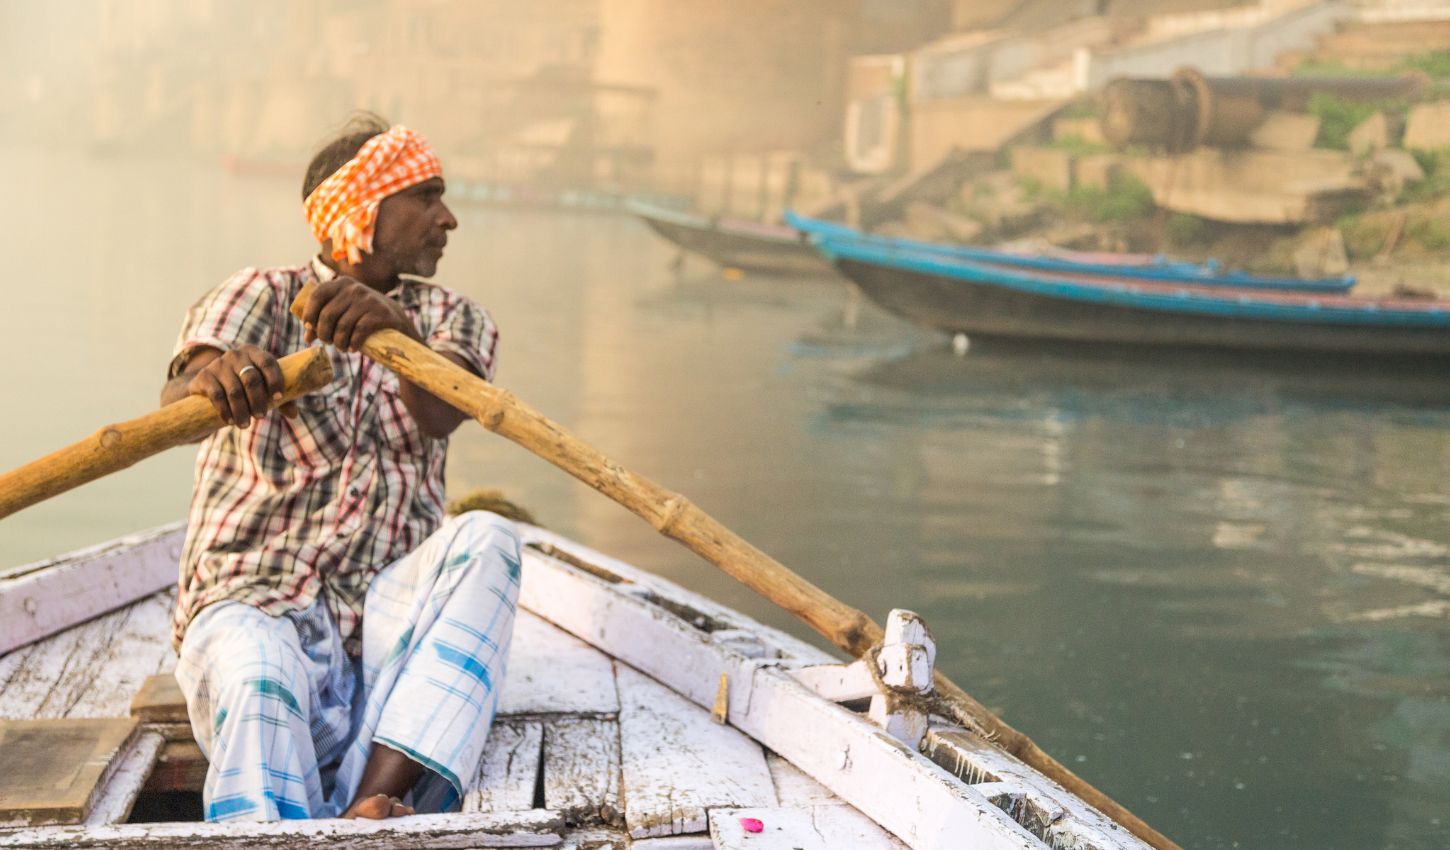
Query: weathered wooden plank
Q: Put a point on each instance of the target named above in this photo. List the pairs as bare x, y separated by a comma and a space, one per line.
1043, 807
812, 828
677, 763
536, 828
91, 670
699, 841
631, 579
509, 772
33, 684
552, 672
896, 787
794, 789
118, 794
42, 599
581, 769
160, 700
180, 767
54, 769
596, 839
140, 648
839, 682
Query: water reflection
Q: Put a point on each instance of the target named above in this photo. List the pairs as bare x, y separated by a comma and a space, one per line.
1141, 532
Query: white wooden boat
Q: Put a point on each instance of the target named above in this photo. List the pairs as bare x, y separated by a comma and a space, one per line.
635, 714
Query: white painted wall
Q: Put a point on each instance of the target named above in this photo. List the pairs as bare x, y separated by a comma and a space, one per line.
980, 62
1231, 50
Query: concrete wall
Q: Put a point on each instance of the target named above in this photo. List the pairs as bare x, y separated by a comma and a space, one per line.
1231, 50
973, 63
972, 123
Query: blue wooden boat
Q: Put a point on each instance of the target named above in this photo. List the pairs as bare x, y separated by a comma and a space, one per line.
1126, 266
961, 296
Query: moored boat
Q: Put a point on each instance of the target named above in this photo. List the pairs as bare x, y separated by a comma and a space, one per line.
1144, 267
734, 243
635, 714
960, 296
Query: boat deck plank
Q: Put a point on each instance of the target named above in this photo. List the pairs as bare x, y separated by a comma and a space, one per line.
581, 769
807, 828
552, 672
678, 763
92, 670
794, 788
509, 771
54, 769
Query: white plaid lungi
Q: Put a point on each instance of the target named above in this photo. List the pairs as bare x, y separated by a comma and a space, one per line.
287, 720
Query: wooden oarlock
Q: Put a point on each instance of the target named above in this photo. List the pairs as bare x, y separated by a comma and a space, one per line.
118, 446
676, 517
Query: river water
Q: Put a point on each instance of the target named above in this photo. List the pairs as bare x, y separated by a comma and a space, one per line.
1218, 590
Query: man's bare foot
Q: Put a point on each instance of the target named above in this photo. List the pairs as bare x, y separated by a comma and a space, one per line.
377, 807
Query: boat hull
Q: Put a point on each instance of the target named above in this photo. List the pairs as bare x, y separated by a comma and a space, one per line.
1139, 267
948, 303
752, 250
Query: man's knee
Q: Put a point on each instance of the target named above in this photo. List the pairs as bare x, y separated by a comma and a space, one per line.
254, 670
484, 540
479, 524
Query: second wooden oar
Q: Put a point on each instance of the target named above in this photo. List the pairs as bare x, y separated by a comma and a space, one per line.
676, 517
118, 446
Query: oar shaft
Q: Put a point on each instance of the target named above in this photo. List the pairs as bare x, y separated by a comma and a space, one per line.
118, 446
676, 517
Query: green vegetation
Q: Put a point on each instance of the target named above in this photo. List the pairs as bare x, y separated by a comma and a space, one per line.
1364, 235
1432, 233
1183, 230
1126, 198
1339, 116
1434, 63
1436, 165
1078, 146
1085, 107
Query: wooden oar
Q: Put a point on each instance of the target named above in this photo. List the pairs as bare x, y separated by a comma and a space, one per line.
118, 446
676, 517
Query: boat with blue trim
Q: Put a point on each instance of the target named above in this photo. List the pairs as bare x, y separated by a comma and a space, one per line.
1146, 267
961, 296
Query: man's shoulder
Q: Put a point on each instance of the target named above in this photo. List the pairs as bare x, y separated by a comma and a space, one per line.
435, 296
260, 280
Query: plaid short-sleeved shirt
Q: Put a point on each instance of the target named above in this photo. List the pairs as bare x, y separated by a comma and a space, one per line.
291, 510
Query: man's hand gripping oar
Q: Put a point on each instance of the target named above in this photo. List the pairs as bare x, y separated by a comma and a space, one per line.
674, 516
118, 446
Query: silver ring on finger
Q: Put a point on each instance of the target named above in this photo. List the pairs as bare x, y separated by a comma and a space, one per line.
245, 369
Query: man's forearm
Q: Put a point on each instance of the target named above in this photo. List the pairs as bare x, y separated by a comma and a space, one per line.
174, 390
435, 417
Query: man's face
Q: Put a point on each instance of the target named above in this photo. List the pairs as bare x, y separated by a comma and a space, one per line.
412, 229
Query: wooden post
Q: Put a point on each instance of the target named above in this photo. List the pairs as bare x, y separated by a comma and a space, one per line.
676, 517
905, 663
118, 446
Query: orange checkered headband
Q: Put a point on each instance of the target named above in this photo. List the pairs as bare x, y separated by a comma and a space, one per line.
344, 207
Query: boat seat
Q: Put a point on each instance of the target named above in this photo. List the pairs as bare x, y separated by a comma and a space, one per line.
181, 765
159, 700
54, 768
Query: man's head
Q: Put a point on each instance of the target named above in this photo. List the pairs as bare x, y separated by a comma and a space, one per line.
374, 198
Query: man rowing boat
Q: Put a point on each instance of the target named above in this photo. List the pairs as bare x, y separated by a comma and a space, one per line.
340, 643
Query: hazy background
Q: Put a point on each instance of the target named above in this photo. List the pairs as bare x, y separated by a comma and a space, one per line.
1216, 589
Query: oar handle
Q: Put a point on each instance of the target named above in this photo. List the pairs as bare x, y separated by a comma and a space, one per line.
676, 517
118, 446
